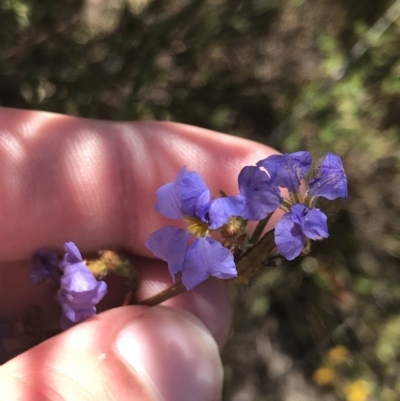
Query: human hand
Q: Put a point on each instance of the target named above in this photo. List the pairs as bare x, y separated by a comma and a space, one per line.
94, 182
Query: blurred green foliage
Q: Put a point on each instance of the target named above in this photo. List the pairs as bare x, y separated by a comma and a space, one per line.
294, 74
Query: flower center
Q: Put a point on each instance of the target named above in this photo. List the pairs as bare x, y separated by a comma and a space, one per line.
295, 198
197, 227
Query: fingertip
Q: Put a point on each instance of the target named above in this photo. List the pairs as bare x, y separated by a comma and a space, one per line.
174, 353
97, 180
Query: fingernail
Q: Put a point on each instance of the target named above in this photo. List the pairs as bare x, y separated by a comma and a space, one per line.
173, 354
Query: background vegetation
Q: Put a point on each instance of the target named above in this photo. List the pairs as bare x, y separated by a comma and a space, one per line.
295, 74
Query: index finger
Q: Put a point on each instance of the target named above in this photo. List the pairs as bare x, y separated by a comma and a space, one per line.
93, 182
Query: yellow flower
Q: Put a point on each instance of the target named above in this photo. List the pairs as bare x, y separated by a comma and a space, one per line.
338, 354
357, 391
324, 376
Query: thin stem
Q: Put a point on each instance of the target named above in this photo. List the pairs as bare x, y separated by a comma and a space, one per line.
259, 229
249, 264
162, 296
128, 297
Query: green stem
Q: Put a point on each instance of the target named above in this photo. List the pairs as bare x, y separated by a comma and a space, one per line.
162, 296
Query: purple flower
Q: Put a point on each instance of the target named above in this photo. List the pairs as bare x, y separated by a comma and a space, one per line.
287, 170
302, 219
259, 196
44, 267
293, 228
329, 179
80, 291
188, 197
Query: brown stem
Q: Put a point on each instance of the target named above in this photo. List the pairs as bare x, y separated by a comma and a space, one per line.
249, 264
259, 229
162, 296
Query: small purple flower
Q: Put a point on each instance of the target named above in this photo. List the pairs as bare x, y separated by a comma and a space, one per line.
259, 196
293, 228
44, 267
80, 291
188, 197
302, 219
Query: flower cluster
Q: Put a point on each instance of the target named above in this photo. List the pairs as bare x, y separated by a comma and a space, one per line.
216, 241
193, 254
302, 220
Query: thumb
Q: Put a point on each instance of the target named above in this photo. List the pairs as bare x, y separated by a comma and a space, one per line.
130, 353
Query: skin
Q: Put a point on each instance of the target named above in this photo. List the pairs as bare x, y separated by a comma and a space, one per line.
93, 182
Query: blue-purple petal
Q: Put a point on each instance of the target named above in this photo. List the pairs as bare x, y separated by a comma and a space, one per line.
195, 194
207, 257
169, 244
222, 209
183, 197
79, 287
329, 179
314, 224
301, 222
194, 270
287, 170
260, 193
169, 197
259, 196
72, 255
289, 237
297, 213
